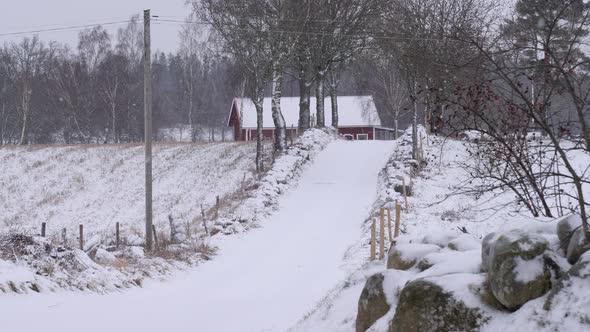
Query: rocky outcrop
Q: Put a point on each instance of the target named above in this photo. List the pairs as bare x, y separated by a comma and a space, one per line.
426, 306
372, 303
517, 267
405, 256
565, 230
577, 246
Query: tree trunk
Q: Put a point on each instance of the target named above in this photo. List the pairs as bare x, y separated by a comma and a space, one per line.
280, 143
321, 121
258, 101
114, 122
415, 125
304, 105
396, 125
24, 136
191, 121
334, 100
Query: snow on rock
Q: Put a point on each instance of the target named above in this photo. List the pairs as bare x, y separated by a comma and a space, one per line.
449, 261
404, 256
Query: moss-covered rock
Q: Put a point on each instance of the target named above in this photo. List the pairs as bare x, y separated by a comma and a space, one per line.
404, 256
565, 230
578, 245
486, 250
426, 306
372, 303
517, 268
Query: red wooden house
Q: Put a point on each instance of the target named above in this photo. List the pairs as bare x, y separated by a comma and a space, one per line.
357, 117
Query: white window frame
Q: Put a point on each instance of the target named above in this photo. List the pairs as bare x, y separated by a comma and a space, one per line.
358, 137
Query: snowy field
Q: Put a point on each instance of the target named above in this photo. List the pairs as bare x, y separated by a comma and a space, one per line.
98, 186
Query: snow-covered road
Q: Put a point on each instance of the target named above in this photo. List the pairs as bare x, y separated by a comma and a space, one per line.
263, 280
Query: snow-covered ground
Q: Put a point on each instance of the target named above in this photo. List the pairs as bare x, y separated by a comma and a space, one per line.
98, 186
262, 280
437, 212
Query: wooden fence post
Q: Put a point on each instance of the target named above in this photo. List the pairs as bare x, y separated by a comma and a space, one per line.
397, 218
216, 207
389, 224
404, 191
373, 241
64, 238
382, 235
204, 220
117, 236
155, 236
43, 228
81, 237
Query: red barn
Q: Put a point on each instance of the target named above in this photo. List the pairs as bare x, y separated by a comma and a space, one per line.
358, 118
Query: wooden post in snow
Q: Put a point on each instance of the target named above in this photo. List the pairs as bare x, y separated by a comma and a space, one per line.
204, 220
81, 237
117, 236
216, 207
64, 238
398, 213
382, 235
389, 224
373, 241
404, 191
147, 102
155, 235
43, 228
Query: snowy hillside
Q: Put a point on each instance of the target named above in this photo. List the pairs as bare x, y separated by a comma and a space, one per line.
98, 186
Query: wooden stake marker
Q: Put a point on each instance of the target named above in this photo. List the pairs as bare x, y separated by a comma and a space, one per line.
404, 192
217, 207
117, 236
389, 224
398, 209
64, 237
155, 235
373, 241
81, 237
43, 228
382, 235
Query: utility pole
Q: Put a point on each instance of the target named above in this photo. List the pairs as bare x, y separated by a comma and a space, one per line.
147, 102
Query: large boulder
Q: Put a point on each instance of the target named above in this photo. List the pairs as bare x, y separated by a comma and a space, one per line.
577, 246
372, 303
486, 250
566, 228
518, 267
404, 256
426, 306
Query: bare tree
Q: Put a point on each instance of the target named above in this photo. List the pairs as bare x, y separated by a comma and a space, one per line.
382, 79
28, 56
507, 72
243, 27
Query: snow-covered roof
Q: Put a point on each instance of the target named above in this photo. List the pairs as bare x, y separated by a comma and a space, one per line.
353, 111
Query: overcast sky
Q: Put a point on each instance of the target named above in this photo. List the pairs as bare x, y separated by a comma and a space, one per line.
26, 15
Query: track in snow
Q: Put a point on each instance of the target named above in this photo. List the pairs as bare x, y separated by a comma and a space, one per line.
263, 280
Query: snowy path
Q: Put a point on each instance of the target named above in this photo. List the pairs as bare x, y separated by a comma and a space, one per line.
264, 280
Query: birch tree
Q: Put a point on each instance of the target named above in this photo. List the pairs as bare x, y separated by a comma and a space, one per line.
244, 30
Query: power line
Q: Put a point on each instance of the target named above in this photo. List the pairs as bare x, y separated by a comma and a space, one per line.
324, 34
68, 28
